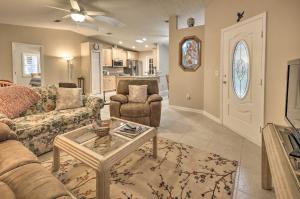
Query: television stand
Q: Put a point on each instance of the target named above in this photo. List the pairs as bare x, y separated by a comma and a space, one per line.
279, 168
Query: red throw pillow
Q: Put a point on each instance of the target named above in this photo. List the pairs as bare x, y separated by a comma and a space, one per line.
16, 99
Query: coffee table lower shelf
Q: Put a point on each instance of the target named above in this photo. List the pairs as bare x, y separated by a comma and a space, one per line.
101, 163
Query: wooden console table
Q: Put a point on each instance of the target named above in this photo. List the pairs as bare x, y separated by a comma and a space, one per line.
278, 168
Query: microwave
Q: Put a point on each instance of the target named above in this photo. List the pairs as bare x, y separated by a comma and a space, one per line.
117, 63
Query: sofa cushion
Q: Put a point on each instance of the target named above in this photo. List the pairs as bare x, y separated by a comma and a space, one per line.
135, 109
13, 154
68, 98
71, 117
16, 99
46, 103
6, 133
6, 192
32, 125
32, 181
137, 93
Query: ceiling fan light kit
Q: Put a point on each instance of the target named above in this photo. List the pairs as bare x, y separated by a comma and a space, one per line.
77, 17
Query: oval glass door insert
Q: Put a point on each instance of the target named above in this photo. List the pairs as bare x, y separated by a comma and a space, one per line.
240, 69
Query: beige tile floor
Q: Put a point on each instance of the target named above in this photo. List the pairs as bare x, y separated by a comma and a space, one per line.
198, 131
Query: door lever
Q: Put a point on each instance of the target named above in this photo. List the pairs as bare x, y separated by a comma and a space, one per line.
224, 82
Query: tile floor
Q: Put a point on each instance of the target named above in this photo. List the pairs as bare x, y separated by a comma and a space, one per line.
197, 130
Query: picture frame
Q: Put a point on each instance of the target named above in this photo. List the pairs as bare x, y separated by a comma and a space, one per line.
190, 53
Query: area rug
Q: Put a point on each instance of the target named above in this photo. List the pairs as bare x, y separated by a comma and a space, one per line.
179, 172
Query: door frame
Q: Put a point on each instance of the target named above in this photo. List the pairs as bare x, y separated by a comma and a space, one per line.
14, 45
263, 18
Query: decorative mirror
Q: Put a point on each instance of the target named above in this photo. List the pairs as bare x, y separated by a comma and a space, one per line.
190, 53
240, 69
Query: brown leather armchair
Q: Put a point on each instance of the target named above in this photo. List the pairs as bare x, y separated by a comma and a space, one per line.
147, 113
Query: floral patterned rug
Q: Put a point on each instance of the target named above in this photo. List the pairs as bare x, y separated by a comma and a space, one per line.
179, 172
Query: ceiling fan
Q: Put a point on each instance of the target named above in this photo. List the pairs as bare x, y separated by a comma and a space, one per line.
79, 14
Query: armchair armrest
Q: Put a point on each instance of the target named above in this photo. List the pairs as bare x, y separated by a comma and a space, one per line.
94, 103
6, 133
154, 98
119, 98
10, 123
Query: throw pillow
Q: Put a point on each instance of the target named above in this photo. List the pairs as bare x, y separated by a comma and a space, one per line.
137, 93
16, 99
68, 98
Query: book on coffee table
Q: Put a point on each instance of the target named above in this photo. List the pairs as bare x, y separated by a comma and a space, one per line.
131, 130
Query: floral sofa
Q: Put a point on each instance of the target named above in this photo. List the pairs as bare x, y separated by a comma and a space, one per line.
38, 125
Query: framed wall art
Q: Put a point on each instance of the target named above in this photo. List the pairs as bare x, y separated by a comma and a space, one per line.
190, 53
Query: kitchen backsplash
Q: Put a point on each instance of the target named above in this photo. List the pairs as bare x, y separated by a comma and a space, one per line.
113, 71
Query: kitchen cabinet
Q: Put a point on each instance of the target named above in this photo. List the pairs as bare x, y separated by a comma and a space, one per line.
107, 57
109, 83
124, 57
118, 54
132, 55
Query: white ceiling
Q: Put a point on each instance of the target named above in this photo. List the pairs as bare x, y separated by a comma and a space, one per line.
142, 18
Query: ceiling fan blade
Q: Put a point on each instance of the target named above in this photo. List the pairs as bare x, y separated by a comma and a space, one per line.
110, 21
66, 17
95, 13
89, 18
56, 8
75, 5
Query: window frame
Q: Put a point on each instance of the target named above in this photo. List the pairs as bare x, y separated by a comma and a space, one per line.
26, 54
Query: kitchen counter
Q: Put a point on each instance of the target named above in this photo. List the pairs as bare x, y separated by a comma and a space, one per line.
139, 77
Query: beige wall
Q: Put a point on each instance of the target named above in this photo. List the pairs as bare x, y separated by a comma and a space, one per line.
283, 44
56, 44
181, 82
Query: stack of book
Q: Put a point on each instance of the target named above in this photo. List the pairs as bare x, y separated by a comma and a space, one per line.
131, 130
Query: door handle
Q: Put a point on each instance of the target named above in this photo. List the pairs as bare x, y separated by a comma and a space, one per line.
224, 82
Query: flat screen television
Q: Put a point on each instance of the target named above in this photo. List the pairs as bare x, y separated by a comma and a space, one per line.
292, 110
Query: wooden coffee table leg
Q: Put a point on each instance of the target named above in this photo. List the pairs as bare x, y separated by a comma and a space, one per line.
155, 147
102, 185
56, 159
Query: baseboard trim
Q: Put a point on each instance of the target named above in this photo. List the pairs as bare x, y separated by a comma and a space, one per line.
212, 117
208, 115
186, 109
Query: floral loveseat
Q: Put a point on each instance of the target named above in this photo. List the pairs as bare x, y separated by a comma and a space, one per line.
38, 126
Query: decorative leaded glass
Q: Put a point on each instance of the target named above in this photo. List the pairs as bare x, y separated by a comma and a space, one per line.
240, 69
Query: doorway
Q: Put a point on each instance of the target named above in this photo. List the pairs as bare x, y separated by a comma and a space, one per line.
27, 63
242, 77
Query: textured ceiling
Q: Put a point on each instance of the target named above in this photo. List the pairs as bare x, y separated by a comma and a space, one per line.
142, 18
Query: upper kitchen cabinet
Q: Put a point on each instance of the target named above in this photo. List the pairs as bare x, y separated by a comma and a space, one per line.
118, 54
107, 57
132, 55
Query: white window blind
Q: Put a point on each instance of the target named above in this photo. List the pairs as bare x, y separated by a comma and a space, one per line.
31, 64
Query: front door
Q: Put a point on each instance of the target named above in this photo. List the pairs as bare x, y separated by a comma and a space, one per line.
27, 61
243, 65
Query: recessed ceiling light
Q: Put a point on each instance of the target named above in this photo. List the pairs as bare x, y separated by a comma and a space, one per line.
133, 47
144, 39
120, 42
139, 41
146, 46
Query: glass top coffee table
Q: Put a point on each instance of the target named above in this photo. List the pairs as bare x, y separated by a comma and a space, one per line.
102, 153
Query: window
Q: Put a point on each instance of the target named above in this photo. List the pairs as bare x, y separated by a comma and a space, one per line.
31, 64
240, 69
